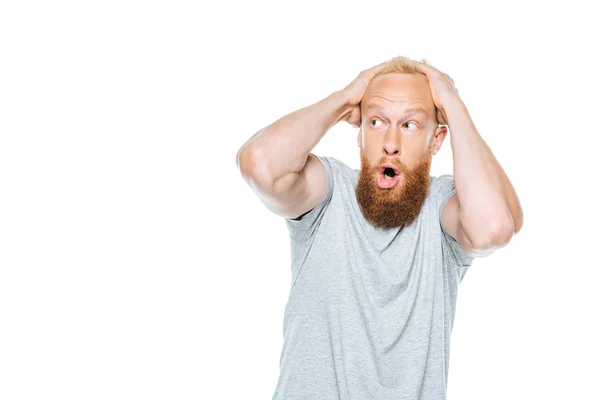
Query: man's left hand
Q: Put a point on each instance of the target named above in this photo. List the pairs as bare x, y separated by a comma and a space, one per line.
442, 89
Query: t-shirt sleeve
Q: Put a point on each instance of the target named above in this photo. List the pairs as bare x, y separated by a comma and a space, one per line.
457, 255
305, 225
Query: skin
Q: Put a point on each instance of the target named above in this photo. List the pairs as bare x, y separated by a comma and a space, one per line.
389, 135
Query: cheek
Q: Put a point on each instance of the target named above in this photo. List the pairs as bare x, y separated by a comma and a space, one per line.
426, 145
373, 146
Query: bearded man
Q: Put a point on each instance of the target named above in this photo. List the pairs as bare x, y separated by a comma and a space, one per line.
378, 253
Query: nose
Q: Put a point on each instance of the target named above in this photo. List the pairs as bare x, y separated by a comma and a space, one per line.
391, 142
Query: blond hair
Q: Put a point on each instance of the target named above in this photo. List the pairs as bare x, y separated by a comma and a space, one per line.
401, 64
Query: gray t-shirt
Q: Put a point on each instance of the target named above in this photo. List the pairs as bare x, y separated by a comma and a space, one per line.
370, 310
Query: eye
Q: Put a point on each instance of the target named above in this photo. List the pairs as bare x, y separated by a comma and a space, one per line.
374, 120
409, 123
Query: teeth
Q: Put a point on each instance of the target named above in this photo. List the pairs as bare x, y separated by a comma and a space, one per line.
387, 178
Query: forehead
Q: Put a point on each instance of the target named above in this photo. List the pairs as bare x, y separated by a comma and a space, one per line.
398, 91
400, 83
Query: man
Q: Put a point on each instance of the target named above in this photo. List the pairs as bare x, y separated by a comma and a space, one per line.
377, 254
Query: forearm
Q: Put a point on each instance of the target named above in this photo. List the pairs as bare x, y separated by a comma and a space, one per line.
487, 200
283, 146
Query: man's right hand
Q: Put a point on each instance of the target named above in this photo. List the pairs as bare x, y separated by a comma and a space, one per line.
355, 90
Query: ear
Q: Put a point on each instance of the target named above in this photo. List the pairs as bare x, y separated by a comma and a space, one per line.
438, 138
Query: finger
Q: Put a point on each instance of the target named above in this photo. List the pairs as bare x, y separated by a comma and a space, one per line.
424, 68
427, 69
440, 118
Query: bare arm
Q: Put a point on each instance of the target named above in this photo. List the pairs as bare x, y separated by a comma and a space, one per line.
276, 161
283, 146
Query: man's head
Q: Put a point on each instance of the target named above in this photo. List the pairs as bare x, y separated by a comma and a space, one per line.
399, 128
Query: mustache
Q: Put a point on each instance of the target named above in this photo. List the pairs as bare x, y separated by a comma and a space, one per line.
402, 168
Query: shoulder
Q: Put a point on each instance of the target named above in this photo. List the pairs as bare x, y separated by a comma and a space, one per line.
443, 194
335, 168
333, 162
443, 181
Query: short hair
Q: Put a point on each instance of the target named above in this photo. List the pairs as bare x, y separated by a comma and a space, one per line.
402, 65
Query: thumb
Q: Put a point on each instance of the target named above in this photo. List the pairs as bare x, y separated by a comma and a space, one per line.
440, 117
354, 118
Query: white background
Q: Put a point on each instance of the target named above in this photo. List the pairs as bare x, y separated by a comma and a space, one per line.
136, 263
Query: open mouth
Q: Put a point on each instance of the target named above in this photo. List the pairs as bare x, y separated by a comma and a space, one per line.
388, 169
388, 176
389, 173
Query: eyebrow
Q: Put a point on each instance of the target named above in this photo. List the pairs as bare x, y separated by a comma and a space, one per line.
408, 111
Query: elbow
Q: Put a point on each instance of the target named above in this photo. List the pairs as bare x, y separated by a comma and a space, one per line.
498, 234
518, 221
253, 169
246, 161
